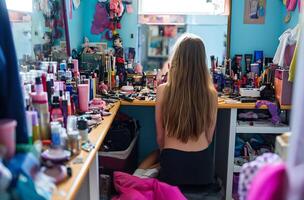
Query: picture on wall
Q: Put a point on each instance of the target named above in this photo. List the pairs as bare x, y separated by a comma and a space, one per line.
255, 11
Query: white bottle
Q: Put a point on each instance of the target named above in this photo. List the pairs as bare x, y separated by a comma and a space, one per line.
117, 81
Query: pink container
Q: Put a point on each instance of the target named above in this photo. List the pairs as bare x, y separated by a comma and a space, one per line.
283, 88
83, 97
7, 136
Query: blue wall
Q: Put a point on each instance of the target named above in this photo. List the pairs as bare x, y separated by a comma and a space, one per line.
245, 38
213, 37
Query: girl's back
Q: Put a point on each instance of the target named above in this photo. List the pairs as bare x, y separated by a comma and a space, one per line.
186, 105
186, 109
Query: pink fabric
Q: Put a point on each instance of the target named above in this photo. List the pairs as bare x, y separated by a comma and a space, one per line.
291, 5
101, 21
288, 55
135, 188
269, 183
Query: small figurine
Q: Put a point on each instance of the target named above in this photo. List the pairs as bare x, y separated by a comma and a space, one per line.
119, 58
87, 48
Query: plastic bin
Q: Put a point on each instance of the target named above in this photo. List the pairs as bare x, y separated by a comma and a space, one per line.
125, 161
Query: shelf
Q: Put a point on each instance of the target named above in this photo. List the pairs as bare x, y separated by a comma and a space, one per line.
265, 127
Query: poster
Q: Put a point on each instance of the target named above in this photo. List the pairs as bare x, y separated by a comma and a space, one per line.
255, 11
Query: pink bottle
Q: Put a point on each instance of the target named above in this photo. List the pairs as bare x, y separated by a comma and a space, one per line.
7, 136
56, 113
76, 69
83, 97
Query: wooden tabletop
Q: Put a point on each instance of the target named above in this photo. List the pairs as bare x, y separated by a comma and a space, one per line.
222, 104
69, 188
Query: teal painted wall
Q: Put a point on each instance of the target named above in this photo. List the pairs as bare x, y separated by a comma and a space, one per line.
76, 25
245, 38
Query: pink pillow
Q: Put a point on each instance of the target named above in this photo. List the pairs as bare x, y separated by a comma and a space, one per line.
270, 183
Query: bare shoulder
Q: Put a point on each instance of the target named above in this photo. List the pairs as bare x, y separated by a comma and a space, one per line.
160, 88
160, 91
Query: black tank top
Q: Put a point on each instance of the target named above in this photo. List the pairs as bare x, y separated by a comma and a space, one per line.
187, 168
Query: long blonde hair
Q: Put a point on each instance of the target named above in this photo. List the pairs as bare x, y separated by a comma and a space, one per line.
189, 101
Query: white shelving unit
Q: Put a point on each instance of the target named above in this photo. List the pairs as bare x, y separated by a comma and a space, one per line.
265, 127
258, 127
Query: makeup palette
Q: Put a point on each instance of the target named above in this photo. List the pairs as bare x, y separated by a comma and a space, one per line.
56, 155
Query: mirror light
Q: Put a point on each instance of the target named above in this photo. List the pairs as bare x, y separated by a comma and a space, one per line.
19, 5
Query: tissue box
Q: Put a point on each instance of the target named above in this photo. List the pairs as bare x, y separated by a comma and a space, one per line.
281, 145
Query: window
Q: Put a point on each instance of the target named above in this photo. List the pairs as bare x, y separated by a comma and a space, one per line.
182, 7
19, 5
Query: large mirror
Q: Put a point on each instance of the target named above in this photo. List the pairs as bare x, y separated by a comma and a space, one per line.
148, 27
160, 26
39, 29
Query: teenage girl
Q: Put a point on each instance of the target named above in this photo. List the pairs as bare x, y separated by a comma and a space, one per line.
186, 110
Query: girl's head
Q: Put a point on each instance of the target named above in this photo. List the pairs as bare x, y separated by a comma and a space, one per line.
189, 97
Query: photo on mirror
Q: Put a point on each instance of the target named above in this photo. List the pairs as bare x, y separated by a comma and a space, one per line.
254, 12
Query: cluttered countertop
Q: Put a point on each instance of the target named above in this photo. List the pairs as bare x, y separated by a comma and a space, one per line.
80, 165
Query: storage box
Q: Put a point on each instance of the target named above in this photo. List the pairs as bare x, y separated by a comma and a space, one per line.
250, 92
283, 88
281, 145
125, 161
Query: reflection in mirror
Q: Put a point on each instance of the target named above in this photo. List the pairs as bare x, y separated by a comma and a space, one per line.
38, 29
160, 27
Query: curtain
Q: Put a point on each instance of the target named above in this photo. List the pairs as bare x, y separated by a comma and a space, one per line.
11, 99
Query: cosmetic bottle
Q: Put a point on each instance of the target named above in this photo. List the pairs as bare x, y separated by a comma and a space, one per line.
43, 79
113, 84
55, 134
28, 116
65, 111
63, 65
35, 127
74, 142
117, 82
69, 106
40, 104
83, 129
248, 60
83, 97
75, 69
50, 90
56, 113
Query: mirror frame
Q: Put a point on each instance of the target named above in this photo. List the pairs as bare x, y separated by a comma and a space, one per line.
229, 29
66, 27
